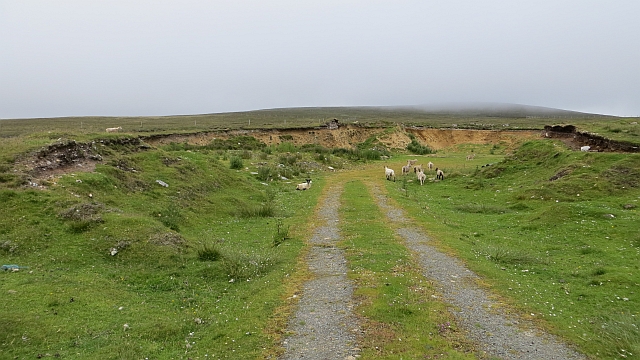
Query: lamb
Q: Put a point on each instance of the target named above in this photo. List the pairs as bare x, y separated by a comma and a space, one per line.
421, 176
430, 165
412, 162
115, 129
439, 174
389, 173
418, 168
406, 169
471, 156
585, 148
304, 185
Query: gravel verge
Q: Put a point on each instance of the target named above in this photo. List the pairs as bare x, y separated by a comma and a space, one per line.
323, 326
497, 333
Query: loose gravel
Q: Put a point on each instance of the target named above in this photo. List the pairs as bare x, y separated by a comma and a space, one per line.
324, 326
497, 333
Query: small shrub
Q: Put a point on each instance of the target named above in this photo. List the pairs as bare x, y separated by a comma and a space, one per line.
415, 147
235, 163
286, 147
281, 234
265, 173
246, 154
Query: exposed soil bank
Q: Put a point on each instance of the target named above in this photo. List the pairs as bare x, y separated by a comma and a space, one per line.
74, 156
575, 139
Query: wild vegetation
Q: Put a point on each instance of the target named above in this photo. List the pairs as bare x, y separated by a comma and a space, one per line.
187, 250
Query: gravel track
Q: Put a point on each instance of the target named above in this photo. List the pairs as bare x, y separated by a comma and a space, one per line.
497, 333
324, 326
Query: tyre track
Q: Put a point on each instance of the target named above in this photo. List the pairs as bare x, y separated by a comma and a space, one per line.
323, 326
497, 333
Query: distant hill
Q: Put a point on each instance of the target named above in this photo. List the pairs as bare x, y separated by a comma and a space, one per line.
495, 110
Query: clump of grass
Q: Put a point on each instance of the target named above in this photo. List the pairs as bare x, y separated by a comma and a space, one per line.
171, 217
264, 210
209, 252
289, 159
481, 209
240, 266
599, 271
286, 147
265, 173
235, 163
621, 330
8, 247
506, 256
246, 154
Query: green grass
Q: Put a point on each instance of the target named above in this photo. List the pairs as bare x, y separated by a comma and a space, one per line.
192, 264
554, 232
400, 317
564, 249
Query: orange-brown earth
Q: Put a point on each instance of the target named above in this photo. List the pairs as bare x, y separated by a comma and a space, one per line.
348, 136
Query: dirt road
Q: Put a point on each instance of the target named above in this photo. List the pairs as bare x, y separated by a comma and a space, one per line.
324, 327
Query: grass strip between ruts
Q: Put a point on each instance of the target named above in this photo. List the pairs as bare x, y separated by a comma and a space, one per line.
397, 306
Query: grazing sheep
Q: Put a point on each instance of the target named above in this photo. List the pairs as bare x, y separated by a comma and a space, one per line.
471, 156
418, 168
412, 162
115, 129
430, 165
421, 177
585, 148
304, 185
406, 169
389, 173
439, 174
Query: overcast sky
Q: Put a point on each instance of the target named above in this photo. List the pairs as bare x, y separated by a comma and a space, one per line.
76, 58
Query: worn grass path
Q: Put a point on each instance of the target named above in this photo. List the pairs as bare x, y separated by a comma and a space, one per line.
324, 326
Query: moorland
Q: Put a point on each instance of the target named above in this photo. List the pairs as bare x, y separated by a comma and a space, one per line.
184, 236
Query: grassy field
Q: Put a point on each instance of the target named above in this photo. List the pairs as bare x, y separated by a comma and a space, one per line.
616, 128
117, 266
554, 232
204, 267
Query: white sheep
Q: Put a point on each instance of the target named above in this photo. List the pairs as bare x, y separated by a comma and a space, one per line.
430, 165
421, 177
439, 174
471, 156
406, 169
115, 129
389, 173
304, 185
585, 148
418, 168
412, 162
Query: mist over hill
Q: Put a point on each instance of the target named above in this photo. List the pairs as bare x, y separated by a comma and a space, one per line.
483, 109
